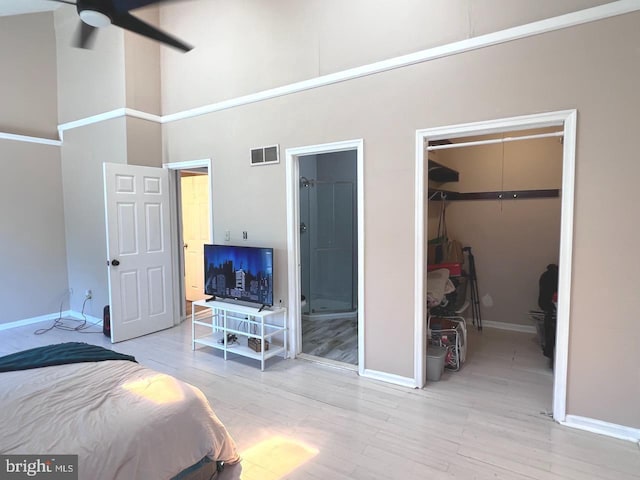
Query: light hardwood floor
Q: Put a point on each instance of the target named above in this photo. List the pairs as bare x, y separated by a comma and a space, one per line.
308, 421
335, 339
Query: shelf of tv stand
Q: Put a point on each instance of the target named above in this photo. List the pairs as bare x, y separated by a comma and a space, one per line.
267, 324
214, 340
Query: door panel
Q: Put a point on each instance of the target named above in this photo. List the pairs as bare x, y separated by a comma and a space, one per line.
127, 230
130, 296
195, 225
140, 282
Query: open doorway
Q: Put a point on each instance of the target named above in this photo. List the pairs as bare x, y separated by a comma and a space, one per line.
329, 255
196, 218
478, 217
325, 236
192, 227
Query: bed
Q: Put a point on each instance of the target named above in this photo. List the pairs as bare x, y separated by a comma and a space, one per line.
124, 421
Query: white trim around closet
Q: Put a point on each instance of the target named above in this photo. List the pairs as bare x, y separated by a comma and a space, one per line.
566, 119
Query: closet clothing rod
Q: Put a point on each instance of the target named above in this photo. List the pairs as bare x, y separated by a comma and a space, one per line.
497, 195
494, 140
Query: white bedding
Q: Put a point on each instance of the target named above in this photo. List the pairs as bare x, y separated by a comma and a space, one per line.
124, 421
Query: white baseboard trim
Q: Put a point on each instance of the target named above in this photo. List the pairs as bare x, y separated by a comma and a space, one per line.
389, 378
32, 320
603, 428
514, 327
90, 319
49, 317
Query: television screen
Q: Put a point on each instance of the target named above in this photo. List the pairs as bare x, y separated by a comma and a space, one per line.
241, 273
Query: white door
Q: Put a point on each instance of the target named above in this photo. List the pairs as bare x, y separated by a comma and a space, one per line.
139, 250
195, 231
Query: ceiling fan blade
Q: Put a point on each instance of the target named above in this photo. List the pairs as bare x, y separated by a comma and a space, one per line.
128, 5
85, 36
135, 25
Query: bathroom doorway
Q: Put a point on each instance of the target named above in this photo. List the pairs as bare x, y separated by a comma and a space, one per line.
325, 236
329, 255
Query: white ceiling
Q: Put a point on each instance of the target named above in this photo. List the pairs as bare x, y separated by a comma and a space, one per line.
17, 7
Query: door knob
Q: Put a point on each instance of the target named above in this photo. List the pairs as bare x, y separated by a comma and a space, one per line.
115, 262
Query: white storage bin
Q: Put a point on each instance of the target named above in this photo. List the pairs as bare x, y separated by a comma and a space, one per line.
435, 362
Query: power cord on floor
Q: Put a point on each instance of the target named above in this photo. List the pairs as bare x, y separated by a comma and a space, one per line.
60, 324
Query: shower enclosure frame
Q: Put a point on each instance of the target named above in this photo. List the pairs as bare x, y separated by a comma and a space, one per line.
293, 240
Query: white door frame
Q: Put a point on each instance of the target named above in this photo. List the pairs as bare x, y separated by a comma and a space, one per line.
293, 240
176, 228
566, 119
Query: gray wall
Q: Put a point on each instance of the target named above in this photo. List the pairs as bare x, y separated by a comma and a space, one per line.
28, 55
243, 47
591, 67
84, 151
33, 276
89, 81
142, 67
252, 45
122, 70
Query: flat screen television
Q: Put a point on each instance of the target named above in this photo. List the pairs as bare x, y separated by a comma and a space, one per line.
239, 273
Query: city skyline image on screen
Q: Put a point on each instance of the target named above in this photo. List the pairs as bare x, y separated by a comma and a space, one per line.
240, 273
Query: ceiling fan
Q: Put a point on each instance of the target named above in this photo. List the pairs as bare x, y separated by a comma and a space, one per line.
102, 13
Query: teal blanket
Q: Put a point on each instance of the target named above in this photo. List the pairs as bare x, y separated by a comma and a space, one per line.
59, 354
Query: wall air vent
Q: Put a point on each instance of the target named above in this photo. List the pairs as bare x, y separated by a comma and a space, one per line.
265, 155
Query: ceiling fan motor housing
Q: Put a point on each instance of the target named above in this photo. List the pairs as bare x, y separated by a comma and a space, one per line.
96, 13
102, 13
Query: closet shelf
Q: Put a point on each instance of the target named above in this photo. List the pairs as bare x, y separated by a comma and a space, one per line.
436, 194
441, 174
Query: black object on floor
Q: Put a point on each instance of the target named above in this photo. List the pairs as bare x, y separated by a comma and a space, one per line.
473, 284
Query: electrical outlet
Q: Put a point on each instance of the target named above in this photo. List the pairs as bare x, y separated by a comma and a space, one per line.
227, 235
244, 235
88, 294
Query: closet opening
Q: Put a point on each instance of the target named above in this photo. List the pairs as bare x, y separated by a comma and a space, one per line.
494, 255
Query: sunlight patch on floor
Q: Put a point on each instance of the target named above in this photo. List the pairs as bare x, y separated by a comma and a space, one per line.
274, 458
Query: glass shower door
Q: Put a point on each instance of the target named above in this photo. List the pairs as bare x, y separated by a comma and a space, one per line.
331, 236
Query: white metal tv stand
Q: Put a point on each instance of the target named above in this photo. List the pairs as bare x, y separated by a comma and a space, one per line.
246, 323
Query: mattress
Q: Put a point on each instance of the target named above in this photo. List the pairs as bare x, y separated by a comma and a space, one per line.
124, 421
